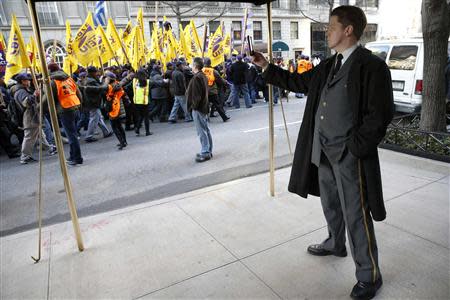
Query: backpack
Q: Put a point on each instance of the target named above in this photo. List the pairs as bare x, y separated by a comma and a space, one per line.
16, 111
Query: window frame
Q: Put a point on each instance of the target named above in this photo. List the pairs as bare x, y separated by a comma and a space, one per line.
276, 37
296, 37
46, 16
259, 31
234, 31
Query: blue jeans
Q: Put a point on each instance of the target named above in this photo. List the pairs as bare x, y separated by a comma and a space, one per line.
235, 91
252, 91
180, 101
48, 131
203, 132
96, 118
69, 123
275, 94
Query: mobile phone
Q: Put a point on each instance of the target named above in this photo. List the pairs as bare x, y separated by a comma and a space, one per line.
250, 45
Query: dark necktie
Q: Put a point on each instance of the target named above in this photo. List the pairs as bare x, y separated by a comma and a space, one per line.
338, 64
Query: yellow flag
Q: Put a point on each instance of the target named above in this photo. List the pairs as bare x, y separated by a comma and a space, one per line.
105, 50
85, 43
226, 44
215, 48
196, 48
33, 54
2, 40
183, 44
171, 46
155, 51
16, 54
113, 36
136, 53
140, 23
70, 62
127, 31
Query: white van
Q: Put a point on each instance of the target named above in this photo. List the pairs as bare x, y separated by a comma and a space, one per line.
405, 60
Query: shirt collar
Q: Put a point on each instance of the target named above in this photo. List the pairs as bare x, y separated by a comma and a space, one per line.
347, 52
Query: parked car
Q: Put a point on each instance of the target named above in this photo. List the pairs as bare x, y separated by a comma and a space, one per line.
405, 59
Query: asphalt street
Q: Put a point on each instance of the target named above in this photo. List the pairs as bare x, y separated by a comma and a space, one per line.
149, 168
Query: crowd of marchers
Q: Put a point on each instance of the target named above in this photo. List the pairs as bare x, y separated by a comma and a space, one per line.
118, 99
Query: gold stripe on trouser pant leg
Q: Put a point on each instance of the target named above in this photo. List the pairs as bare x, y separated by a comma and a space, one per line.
374, 271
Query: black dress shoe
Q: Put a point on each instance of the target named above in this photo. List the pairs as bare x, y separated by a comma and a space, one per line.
148, 133
319, 250
366, 290
202, 158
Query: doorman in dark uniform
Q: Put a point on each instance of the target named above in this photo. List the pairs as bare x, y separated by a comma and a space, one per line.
349, 107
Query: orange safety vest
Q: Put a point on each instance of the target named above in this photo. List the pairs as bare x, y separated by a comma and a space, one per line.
209, 72
67, 93
115, 98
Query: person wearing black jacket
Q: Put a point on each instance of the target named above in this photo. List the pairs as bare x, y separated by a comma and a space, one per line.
179, 90
238, 76
349, 106
94, 91
159, 94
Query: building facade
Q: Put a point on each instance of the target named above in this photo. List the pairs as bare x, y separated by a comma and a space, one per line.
299, 26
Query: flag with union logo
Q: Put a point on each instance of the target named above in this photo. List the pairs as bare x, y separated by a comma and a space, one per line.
215, 48
84, 45
16, 55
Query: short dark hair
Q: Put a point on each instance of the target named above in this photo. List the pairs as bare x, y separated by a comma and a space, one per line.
198, 63
351, 15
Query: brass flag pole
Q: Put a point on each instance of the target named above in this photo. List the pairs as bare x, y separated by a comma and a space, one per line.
54, 119
39, 195
271, 126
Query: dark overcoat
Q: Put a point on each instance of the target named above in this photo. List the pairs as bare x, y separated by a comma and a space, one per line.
370, 90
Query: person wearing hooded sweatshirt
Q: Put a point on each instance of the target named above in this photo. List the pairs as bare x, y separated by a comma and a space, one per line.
115, 98
68, 100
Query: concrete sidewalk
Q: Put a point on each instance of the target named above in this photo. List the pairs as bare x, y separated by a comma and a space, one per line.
235, 241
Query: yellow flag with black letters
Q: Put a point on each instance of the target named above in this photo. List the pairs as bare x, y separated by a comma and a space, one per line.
215, 48
85, 43
16, 54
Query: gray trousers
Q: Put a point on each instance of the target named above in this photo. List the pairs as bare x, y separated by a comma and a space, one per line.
96, 118
31, 136
344, 205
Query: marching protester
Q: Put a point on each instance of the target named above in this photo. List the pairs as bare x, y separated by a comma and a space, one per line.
337, 152
197, 99
68, 99
238, 77
159, 88
94, 91
141, 98
215, 83
29, 100
116, 97
179, 90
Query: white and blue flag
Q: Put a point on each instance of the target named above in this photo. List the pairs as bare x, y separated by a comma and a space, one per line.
100, 13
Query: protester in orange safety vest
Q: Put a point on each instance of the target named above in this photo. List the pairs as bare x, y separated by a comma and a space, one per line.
115, 99
68, 99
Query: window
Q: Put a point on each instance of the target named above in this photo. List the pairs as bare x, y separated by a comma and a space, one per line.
236, 27
152, 23
47, 13
403, 58
367, 3
53, 49
293, 4
294, 30
257, 30
213, 25
343, 2
380, 51
276, 30
276, 4
184, 23
90, 6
